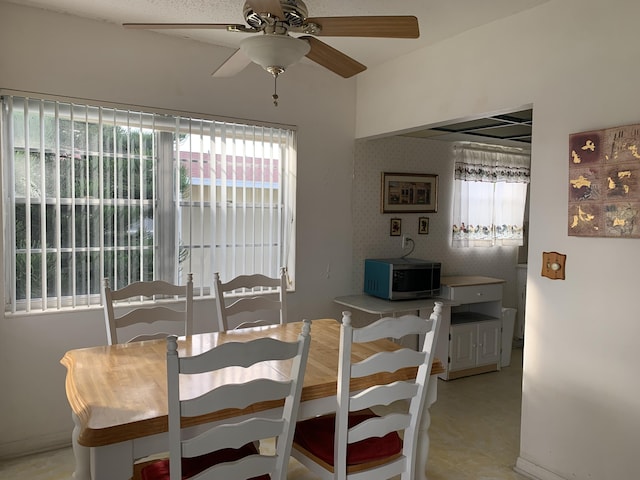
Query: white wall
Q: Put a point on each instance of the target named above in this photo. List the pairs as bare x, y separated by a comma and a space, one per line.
64, 55
576, 61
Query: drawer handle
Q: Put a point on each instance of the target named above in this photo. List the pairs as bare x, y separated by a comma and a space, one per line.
479, 294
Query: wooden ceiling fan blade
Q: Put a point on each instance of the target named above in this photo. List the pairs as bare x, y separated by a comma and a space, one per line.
232, 65
267, 6
333, 59
186, 26
399, 26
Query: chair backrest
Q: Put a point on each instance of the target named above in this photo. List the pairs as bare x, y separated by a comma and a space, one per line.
144, 313
236, 432
250, 302
413, 392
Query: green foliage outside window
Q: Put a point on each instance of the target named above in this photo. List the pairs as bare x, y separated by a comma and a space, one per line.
89, 195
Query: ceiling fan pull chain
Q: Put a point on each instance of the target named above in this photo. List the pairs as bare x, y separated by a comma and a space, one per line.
275, 90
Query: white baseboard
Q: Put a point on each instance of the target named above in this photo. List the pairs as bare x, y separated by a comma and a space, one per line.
30, 446
533, 471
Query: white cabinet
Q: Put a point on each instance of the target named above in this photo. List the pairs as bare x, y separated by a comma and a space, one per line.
471, 342
469, 294
474, 347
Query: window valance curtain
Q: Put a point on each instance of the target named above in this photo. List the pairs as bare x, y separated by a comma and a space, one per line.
490, 188
491, 164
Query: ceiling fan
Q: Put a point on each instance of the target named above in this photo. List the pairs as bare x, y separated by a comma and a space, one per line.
275, 49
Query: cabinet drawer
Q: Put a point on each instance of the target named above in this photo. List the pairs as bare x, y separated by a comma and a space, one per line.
475, 293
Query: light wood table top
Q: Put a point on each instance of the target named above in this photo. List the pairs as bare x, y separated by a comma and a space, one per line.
119, 392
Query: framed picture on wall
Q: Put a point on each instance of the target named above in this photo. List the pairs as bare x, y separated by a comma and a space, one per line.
409, 193
423, 225
395, 229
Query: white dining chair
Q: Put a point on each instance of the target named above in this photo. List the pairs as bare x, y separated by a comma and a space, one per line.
227, 450
252, 296
355, 443
171, 303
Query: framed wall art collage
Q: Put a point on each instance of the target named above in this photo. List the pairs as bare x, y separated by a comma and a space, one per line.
409, 193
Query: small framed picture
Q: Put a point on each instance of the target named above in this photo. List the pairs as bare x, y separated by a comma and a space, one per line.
395, 227
423, 225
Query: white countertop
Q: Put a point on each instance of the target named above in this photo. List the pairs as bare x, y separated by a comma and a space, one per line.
467, 280
379, 306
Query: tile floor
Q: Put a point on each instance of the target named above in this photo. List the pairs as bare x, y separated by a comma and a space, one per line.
475, 431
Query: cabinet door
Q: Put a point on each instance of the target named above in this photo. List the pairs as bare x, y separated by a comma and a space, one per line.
462, 346
489, 342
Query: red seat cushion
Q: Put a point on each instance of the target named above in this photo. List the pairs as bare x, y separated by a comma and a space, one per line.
191, 466
316, 435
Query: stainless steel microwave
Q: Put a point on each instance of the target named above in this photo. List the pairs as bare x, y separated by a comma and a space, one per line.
401, 278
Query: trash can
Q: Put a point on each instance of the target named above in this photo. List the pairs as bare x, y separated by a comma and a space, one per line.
508, 322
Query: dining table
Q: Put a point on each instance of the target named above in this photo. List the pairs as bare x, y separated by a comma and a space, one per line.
118, 393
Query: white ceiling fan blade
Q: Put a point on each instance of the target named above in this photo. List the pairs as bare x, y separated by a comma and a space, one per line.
232, 65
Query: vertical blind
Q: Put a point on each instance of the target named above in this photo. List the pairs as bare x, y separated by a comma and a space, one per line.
238, 207
94, 191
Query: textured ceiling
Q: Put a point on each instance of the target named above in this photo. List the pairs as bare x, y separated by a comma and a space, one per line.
438, 19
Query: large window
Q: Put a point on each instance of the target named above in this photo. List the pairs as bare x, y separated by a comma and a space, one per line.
95, 192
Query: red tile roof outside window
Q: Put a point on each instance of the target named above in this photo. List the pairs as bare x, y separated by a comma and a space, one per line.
243, 171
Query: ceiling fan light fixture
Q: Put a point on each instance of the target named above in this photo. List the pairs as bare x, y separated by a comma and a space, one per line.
274, 53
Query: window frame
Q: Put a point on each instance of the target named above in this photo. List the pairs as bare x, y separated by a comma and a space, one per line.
490, 189
167, 208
